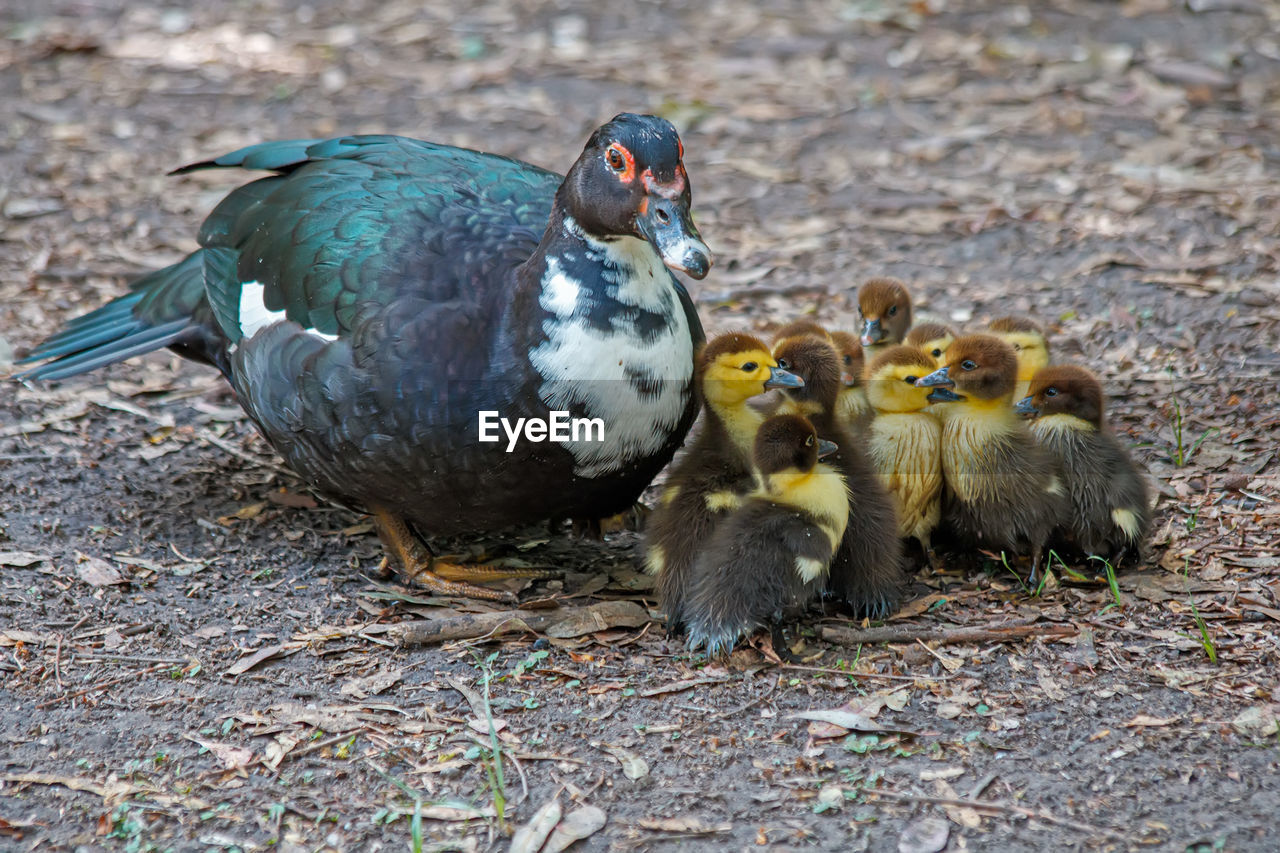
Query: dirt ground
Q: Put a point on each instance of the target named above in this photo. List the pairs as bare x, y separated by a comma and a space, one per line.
195, 656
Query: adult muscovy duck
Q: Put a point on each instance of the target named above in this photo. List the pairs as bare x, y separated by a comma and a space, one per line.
378, 293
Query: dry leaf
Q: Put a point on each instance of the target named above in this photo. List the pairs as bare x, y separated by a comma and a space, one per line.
371, 685
21, 559
1259, 722
97, 572
578, 824
1149, 721
232, 757
530, 837
685, 825
266, 653
633, 766
600, 617
926, 835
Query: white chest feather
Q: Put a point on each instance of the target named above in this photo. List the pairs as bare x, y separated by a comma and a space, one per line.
255, 316
637, 383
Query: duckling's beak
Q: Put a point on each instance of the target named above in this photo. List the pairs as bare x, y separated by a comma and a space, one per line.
872, 334
938, 379
665, 222
941, 383
779, 378
849, 380
1026, 408
826, 448
943, 395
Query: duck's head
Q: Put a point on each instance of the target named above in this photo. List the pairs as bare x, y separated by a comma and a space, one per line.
788, 444
814, 360
630, 182
891, 379
885, 308
851, 358
736, 366
978, 367
1028, 340
798, 329
932, 339
1064, 389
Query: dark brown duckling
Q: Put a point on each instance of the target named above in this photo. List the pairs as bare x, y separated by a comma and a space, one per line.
867, 571
1029, 342
851, 405
1003, 490
1110, 505
931, 338
798, 329
905, 441
715, 471
773, 551
884, 304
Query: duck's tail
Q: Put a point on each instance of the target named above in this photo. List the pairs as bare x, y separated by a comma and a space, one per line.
162, 309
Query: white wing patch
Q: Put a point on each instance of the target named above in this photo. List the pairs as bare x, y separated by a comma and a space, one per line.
592, 368
255, 316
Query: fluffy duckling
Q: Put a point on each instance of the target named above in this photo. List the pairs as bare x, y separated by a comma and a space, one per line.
1110, 508
1028, 340
1002, 488
775, 549
885, 308
905, 440
851, 404
798, 329
932, 338
716, 470
867, 570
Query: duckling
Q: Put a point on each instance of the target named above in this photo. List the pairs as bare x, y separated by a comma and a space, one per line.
1002, 488
905, 441
715, 472
1028, 340
851, 405
932, 338
867, 570
798, 329
1110, 507
885, 307
774, 550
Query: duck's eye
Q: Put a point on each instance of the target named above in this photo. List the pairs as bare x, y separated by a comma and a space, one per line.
750, 367
1017, 347
784, 364
848, 359
937, 352
1051, 392
614, 158
969, 364
808, 441
893, 309
910, 380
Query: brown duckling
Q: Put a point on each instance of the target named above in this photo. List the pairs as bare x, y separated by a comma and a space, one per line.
1110, 506
1002, 488
775, 549
1028, 340
885, 308
905, 441
932, 338
715, 471
867, 571
851, 405
798, 329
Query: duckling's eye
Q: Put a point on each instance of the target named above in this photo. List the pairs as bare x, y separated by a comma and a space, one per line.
910, 380
936, 353
893, 309
750, 367
1017, 347
848, 359
969, 364
615, 159
808, 441
783, 364
1051, 392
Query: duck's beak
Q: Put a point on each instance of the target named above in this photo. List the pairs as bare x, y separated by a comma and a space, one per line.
943, 395
826, 448
779, 378
940, 378
665, 222
1026, 408
872, 333
849, 380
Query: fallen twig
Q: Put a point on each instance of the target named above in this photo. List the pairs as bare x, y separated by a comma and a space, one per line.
101, 685
470, 626
911, 633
